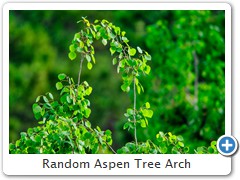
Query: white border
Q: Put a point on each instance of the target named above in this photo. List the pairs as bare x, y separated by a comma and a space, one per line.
117, 6
13, 164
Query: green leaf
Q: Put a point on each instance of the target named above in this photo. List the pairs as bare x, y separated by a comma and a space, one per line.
164, 150
108, 132
104, 41
128, 125
148, 57
50, 95
180, 138
30, 131
37, 110
81, 44
186, 149
111, 35
147, 113
147, 104
210, 150
85, 83
11, 146
213, 143
117, 30
132, 51
45, 99
147, 69
125, 39
143, 123
38, 99
114, 61
123, 33
72, 48
125, 126
170, 134
125, 87
88, 58
68, 99
88, 124
23, 135
59, 85
64, 90
61, 76
88, 91
136, 81
18, 143
139, 50
87, 112
87, 135
112, 50
77, 36
130, 111
72, 55
138, 89
89, 65
38, 138
181, 144
93, 58
141, 87
93, 33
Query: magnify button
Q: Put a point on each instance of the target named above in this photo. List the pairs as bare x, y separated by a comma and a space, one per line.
227, 145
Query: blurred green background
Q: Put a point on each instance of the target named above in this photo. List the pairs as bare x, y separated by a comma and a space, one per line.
186, 87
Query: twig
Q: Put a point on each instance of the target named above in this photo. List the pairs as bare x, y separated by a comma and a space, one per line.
80, 69
134, 109
111, 148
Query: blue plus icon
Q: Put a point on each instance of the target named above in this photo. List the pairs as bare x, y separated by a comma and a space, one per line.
227, 145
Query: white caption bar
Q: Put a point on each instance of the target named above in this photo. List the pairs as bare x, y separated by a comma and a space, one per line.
103, 164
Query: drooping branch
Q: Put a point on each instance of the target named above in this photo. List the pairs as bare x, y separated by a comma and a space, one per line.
127, 58
80, 70
134, 109
110, 147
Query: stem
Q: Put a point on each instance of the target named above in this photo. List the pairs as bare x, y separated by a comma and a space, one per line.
134, 110
110, 147
196, 61
80, 69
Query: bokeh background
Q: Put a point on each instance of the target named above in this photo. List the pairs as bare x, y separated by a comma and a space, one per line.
186, 87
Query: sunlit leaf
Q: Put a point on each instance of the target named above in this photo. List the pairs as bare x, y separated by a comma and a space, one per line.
72, 55
89, 65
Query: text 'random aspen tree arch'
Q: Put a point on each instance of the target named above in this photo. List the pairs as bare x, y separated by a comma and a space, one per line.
64, 127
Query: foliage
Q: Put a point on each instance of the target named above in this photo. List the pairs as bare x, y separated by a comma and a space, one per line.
65, 128
187, 92
39, 43
166, 144
69, 116
212, 149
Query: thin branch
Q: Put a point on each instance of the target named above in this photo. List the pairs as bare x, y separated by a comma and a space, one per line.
134, 109
196, 61
80, 69
110, 147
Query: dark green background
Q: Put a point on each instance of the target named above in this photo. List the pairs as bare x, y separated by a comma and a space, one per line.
39, 42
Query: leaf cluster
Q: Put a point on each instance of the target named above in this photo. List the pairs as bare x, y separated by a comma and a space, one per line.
64, 127
142, 115
130, 61
166, 143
